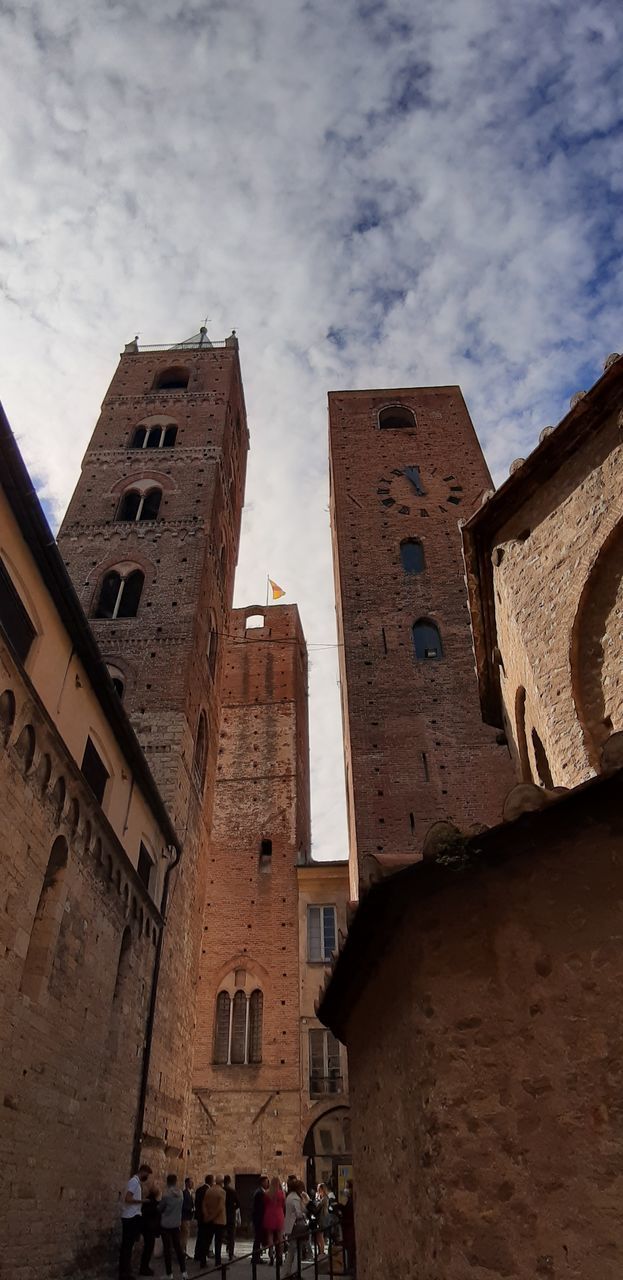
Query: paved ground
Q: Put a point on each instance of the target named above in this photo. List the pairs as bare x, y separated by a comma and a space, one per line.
240, 1268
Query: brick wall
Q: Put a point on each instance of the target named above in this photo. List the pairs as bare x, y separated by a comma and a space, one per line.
557, 577
248, 1118
75, 983
416, 748
488, 1098
188, 555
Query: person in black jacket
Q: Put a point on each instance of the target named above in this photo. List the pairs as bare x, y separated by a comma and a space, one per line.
150, 1228
257, 1214
232, 1205
188, 1213
201, 1226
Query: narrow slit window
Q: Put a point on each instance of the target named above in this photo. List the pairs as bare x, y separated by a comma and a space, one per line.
412, 555
200, 755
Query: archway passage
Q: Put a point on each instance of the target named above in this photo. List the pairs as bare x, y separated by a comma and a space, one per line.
328, 1149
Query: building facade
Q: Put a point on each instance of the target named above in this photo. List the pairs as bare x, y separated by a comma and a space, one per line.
488, 971
323, 898
405, 467
87, 850
251, 1085
545, 576
150, 539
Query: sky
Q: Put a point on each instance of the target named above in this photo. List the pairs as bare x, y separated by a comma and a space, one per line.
373, 194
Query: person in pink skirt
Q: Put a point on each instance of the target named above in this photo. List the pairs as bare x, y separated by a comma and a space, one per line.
274, 1218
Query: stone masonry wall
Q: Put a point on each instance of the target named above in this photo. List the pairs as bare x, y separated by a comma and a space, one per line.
490, 1092
558, 569
75, 983
416, 747
247, 1119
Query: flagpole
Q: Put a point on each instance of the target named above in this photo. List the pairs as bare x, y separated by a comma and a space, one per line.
267, 588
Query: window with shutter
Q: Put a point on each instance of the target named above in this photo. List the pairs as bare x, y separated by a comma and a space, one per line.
324, 1063
314, 950
14, 618
94, 770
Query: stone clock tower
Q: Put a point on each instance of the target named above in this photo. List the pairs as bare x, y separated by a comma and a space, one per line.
406, 467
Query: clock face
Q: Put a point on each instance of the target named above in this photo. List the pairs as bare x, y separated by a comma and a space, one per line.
408, 491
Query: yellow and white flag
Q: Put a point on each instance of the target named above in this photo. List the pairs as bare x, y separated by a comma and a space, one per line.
278, 592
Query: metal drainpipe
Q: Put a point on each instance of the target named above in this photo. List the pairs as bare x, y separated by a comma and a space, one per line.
149, 1029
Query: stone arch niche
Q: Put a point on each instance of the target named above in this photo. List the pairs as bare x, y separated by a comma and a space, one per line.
597, 648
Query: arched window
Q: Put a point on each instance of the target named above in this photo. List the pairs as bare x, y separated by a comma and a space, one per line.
173, 379
156, 437
412, 555
254, 620
47, 922
426, 640
395, 416
542, 763
256, 1006
238, 1025
119, 596
140, 506
201, 752
221, 1028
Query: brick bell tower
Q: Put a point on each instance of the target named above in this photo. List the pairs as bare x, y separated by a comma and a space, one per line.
406, 466
151, 541
247, 1066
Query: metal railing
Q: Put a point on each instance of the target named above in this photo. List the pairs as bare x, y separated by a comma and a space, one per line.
333, 1262
319, 1086
182, 346
222, 1268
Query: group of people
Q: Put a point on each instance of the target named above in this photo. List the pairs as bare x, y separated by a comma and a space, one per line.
150, 1213
285, 1217
289, 1217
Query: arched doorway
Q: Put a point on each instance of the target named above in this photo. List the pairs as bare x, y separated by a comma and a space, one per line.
328, 1149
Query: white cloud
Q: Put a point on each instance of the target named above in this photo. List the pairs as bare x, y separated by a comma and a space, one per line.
169, 158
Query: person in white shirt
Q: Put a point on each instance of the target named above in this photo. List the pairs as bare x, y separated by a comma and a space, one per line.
131, 1219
